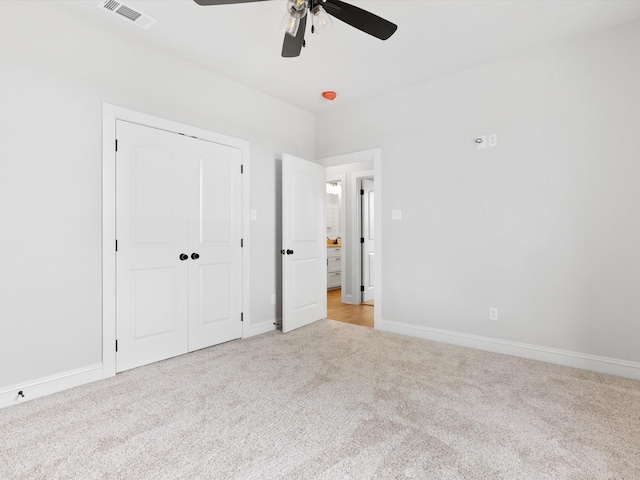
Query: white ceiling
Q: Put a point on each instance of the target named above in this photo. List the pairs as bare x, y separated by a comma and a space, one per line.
434, 38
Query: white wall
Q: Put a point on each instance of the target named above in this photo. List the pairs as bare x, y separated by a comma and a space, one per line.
55, 72
544, 226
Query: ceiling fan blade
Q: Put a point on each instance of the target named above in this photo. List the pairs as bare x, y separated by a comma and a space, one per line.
360, 19
292, 46
205, 3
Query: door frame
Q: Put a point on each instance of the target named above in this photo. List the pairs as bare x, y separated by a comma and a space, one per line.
375, 155
110, 114
344, 235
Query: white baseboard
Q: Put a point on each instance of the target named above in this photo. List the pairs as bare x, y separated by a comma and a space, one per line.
610, 366
48, 385
265, 327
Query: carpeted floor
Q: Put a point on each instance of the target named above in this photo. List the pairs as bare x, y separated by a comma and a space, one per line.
331, 401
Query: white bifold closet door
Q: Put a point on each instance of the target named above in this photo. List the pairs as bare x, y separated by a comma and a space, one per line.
179, 255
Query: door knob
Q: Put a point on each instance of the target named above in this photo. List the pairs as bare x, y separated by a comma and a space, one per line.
183, 256
195, 256
289, 252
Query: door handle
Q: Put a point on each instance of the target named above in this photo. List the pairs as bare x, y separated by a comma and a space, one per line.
195, 256
183, 256
289, 252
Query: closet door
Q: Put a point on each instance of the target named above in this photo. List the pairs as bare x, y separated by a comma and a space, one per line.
215, 233
179, 257
152, 232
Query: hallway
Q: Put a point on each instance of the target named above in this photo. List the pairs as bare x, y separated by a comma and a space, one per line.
344, 312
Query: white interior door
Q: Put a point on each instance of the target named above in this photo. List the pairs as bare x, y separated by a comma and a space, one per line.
179, 258
152, 282
215, 233
304, 271
367, 245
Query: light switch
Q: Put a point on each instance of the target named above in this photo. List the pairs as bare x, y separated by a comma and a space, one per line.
396, 214
481, 141
254, 214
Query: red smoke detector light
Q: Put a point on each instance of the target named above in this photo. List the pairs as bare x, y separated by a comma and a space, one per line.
329, 95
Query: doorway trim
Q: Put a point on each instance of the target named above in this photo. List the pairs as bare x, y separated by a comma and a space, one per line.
374, 154
342, 178
110, 114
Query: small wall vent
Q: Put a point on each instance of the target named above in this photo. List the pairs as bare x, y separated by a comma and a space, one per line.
115, 7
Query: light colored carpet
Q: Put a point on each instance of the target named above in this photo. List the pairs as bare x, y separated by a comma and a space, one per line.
331, 401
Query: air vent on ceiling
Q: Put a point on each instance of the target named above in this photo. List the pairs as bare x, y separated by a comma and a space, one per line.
124, 11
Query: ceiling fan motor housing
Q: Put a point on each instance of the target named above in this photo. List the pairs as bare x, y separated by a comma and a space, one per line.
295, 20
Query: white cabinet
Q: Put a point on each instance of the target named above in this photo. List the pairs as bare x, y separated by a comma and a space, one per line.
334, 267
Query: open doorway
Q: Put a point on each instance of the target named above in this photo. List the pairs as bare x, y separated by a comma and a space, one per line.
336, 225
351, 272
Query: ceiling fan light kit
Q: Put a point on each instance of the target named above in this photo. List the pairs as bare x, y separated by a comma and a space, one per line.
321, 20
296, 9
294, 22
298, 5
290, 24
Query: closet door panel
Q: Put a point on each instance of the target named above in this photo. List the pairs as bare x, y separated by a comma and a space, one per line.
151, 230
215, 236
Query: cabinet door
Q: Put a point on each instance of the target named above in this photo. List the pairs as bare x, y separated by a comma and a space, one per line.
334, 264
334, 279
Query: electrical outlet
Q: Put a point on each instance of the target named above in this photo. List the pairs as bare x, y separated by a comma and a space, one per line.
493, 313
493, 140
273, 299
396, 214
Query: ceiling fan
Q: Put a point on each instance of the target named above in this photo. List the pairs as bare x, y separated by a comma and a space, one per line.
295, 20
